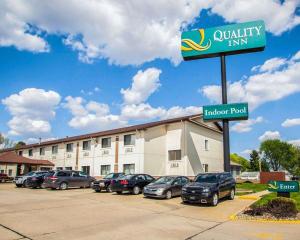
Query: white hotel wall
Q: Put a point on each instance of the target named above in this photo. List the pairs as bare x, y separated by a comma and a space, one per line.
196, 153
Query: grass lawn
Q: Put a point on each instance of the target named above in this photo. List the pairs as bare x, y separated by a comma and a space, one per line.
268, 197
249, 188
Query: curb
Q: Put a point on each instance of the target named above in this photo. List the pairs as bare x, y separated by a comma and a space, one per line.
234, 217
245, 197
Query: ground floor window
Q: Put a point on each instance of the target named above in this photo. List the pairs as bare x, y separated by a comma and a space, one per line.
174, 155
105, 169
59, 168
129, 168
2, 171
205, 167
45, 168
10, 172
86, 169
68, 168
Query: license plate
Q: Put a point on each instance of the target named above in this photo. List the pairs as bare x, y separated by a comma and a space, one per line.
192, 198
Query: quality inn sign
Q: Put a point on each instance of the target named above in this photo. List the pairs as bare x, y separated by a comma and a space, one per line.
224, 40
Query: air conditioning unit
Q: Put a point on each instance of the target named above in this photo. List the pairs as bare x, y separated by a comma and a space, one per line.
128, 150
85, 154
105, 152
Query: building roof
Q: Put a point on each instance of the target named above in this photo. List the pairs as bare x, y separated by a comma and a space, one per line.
117, 131
235, 164
12, 157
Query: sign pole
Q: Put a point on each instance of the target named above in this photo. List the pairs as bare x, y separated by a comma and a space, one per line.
226, 147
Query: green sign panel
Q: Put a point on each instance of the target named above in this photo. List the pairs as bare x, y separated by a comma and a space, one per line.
283, 186
228, 39
234, 111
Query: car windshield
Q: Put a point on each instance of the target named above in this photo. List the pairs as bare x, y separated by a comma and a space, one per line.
30, 174
207, 178
109, 176
164, 180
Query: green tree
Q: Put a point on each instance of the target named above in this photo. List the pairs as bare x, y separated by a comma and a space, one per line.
5, 142
240, 160
264, 166
293, 165
276, 152
254, 161
19, 144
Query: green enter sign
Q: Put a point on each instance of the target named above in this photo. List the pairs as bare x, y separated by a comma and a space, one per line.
283, 186
234, 111
223, 40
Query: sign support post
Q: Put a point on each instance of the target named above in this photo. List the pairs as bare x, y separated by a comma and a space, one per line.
226, 145
220, 42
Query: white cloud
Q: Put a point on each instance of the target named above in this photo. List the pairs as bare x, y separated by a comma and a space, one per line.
91, 116
141, 111
127, 32
31, 110
178, 111
291, 122
269, 135
246, 126
295, 142
37, 140
246, 152
143, 85
270, 65
260, 88
278, 16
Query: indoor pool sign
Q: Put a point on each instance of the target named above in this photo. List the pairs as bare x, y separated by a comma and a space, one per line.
223, 40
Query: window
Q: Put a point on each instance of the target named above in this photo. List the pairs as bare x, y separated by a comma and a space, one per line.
205, 167
63, 174
128, 168
2, 171
129, 139
54, 149
174, 155
106, 142
86, 169
69, 147
68, 168
86, 145
206, 145
42, 151
140, 178
184, 180
10, 172
59, 168
75, 174
30, 152
149, 178
20, 153
105, 169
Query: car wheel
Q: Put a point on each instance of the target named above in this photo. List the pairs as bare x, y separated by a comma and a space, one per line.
119, 192
18, 185
97, 190
231, 195
215, 200
63, 186
3, 180
25, 183
108, 189
136, 190
168, 194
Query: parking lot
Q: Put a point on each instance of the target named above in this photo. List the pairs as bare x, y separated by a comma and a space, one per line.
84, 214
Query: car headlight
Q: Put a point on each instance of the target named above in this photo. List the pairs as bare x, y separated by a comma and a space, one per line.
159, 191
206, 190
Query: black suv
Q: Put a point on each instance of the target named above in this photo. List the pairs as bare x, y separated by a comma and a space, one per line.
209, 188
133, 183
105, 183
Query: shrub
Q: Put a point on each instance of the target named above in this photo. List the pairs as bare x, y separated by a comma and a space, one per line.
279, 207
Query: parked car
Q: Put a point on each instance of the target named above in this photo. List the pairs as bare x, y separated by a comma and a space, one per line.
166, 187
37, 180
21, 181
253, 177
5, 178
105, 183
209, 188
64, 179
133, 183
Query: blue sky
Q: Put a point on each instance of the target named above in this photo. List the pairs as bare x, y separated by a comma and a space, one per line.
63, 75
